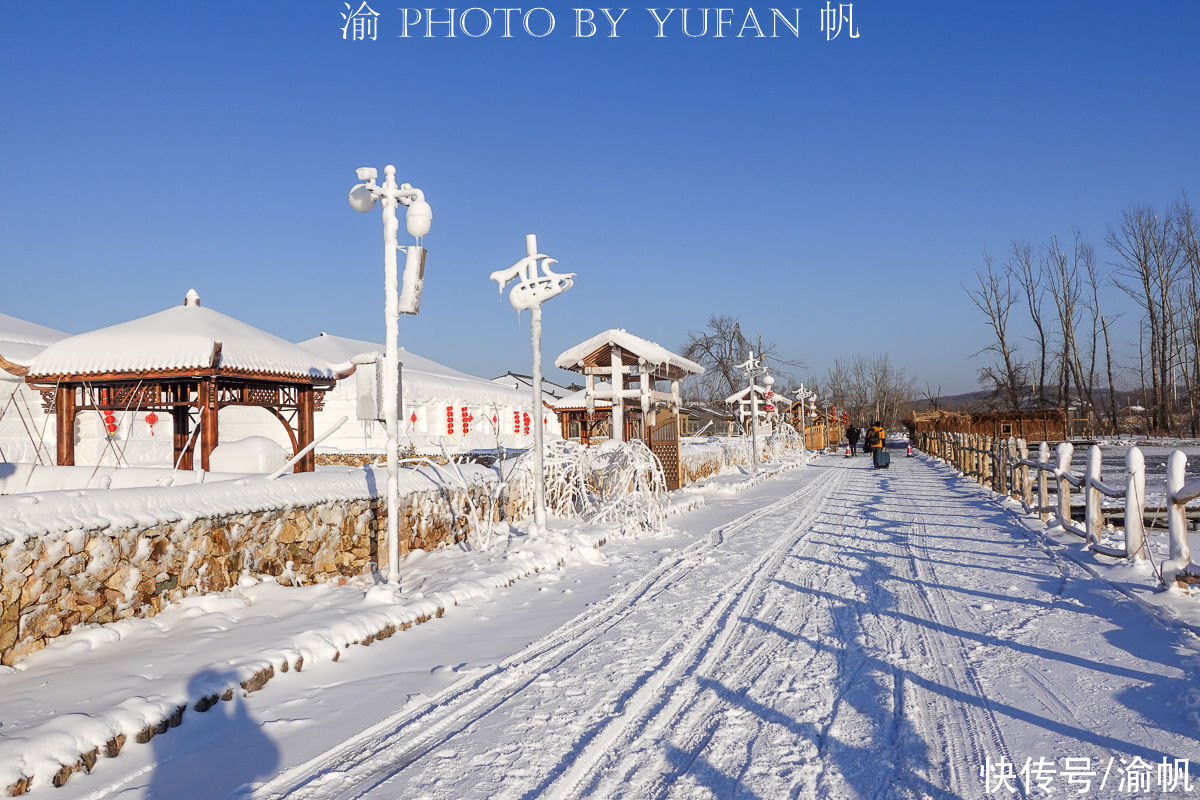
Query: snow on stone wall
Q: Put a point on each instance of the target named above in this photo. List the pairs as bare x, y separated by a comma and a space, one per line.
98, 556
701, 458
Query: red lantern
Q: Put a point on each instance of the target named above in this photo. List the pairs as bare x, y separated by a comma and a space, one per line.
525, 419
450, 420
516, 422
466, 421
413, 419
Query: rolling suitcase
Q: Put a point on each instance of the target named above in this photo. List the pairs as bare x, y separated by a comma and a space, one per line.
882, 459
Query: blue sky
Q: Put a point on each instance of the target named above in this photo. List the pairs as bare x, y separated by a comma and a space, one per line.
149, 147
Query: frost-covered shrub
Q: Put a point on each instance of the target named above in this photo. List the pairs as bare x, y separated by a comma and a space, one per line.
631, 485
568, 470
783, 441
615, 482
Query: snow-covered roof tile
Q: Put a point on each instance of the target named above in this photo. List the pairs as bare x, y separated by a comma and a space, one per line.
178, 338
653, 352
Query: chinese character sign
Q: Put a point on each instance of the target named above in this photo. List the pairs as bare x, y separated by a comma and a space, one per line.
360, 24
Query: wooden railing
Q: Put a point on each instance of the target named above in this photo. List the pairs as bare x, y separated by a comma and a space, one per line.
1005, 467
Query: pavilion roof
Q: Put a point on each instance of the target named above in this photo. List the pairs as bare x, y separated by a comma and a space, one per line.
597, 352
180, 338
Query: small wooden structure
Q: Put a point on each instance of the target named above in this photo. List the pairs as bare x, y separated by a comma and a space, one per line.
184, 362
635, 369
581, 424
705, 421
1049, 425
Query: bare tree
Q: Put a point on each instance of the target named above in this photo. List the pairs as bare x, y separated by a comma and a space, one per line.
1187, 230
719, 348
1149, 272
869, 388
1030, 275
1074, 286
995, 298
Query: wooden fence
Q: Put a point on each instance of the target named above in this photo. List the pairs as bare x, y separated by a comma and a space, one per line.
1005, 466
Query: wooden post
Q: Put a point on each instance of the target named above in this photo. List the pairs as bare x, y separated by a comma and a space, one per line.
181, 423
1180, 553
1023, 474
1065, 452
304, 421
1135, 504
1043, 490
1093, 519
64, 424
206, 401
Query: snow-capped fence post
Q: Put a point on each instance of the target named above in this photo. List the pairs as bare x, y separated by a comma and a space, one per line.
1002, 464
1135, 504
1023, 474
985, 461
1043, 490
1093, 518
1178, 495
983, 446
1014, 467
1063, 473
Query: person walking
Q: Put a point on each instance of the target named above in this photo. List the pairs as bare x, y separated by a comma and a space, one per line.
875, 442
852, 436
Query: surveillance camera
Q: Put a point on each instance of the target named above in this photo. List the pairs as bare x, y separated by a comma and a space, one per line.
367, 173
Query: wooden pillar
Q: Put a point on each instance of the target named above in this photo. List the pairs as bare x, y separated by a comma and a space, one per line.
64, 424
618, 402
305, 404
206, 402
181, 424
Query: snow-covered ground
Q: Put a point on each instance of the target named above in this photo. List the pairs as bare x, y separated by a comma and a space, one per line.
833, 632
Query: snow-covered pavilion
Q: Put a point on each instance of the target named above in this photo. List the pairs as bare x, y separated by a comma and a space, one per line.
635, 369
185, 361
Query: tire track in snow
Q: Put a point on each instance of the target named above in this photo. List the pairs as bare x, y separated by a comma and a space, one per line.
691, 701
356, 766
953, 668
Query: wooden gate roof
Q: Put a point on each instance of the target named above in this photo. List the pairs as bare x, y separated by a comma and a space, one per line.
597, 352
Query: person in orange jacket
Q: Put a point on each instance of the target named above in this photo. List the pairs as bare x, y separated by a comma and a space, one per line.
875, 441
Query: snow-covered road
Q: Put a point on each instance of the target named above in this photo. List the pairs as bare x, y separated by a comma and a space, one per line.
869, 634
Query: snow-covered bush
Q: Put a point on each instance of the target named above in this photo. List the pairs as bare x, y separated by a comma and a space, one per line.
570, 490
631, 485
783, 441
615, 482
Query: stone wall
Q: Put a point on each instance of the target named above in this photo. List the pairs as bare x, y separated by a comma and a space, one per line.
53, 582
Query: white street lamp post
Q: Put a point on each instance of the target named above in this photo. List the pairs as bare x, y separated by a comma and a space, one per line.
752, 368
400, 297
529, 292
